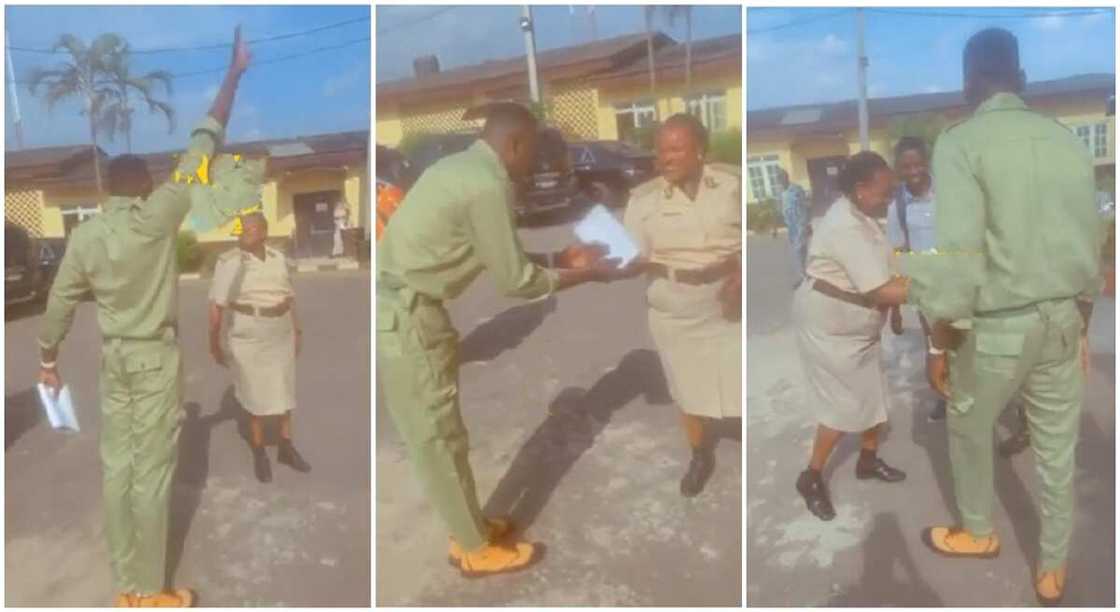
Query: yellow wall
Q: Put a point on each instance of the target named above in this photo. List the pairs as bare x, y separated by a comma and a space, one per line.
793, 154
670, 101
390, 130
276, 199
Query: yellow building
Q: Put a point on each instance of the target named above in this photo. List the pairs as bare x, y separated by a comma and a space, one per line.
811, 141
597, 91
48, 191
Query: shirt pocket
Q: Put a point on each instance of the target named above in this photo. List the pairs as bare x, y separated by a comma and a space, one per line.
143, 361
675, 230
388, 340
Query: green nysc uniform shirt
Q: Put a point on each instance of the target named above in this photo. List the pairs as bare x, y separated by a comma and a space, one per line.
455, 222
1018, 242
125, 257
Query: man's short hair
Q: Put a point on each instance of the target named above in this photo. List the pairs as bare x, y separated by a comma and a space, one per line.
502, 117
692, 124
125, 170
910, 143
256, 216
993, 55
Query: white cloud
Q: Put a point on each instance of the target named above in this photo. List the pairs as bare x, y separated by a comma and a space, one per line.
833, 45
1050, 22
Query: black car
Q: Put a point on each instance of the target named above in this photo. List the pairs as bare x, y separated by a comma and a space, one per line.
608, 169
23, 267
551, 187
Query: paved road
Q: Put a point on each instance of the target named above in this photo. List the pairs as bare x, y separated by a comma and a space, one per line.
871, 555
302, 540
572, 432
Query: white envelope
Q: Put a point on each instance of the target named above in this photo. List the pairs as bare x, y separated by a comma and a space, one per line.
59, 409
599, 225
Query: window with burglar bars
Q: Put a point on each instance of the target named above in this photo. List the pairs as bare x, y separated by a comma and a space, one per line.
710, 108
763, 172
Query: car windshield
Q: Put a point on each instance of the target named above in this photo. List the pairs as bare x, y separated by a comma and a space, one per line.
622, 148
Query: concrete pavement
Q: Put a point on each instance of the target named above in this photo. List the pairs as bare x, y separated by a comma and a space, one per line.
303, 540
871, 553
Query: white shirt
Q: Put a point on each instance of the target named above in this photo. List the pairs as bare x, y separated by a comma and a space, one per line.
919, 219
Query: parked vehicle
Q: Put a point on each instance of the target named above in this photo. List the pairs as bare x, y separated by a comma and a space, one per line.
551, 187
608, 169
23, 266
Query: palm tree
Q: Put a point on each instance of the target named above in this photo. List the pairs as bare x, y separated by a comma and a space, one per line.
116, 116
85, 77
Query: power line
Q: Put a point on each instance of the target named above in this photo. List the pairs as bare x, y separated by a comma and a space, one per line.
798, 22
1036, 15
396, 27
275, 60
216, 46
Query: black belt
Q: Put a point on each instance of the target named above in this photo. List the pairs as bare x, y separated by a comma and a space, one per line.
261, 311
832, 291
695, 276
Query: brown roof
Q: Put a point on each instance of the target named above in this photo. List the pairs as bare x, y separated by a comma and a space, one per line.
711, 55
53, 167
839, 116
555, 64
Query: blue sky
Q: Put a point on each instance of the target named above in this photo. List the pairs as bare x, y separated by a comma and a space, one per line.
493, 31
318, 93
816, 61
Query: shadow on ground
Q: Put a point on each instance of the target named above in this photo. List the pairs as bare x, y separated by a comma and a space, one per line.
576, 417
505, 332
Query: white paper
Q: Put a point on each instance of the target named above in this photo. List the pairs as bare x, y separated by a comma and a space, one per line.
59, 409
599, 225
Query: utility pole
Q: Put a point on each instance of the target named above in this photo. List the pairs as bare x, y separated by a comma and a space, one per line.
530, 53
15, 91
594, 25
864, 139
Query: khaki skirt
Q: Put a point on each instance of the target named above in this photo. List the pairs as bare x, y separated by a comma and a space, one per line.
700, 351
841, 354
263, 363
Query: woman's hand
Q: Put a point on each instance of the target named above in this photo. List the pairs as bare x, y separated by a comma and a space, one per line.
893, 293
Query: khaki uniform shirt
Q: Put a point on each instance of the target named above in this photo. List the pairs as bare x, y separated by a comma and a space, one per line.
1016, 217
455, 222
126, 256
680, 233
242, 278
849, 250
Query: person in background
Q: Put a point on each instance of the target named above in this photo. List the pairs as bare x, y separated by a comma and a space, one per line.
1018, 243
254, 282
839, 313
125, 257
688, 225
796, 213
341, 222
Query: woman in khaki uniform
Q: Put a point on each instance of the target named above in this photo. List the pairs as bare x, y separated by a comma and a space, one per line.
839, 314
688, 225
254, 282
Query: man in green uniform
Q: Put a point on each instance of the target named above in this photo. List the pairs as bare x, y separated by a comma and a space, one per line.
1018, 243
455, 222
125, 257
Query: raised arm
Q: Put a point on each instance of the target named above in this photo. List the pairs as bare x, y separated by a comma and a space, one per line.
171, 201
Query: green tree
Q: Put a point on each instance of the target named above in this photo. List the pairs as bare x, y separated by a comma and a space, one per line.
116, 117
84, 77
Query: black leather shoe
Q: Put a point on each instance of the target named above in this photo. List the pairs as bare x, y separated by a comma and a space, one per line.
289, 456
879, 469
699, 471
261, 466
811, 487
1015, 444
